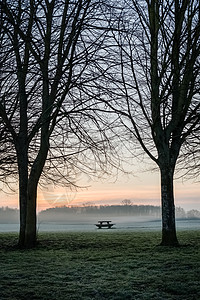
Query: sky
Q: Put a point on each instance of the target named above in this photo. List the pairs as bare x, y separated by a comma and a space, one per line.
142, 188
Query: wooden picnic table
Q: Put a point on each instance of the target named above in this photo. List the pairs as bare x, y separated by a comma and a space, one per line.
104, 224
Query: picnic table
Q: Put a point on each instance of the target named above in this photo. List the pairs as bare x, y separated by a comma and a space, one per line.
104, 224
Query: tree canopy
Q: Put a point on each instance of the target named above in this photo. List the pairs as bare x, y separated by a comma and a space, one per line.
49, 128
153, 87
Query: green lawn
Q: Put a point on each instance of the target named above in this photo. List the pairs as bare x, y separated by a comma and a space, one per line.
99, 265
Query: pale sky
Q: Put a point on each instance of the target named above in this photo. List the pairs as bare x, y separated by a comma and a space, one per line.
141, 189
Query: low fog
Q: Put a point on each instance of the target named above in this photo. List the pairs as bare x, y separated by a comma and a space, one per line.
85, 218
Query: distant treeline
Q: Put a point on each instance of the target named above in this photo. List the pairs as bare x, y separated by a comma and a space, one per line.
9, 215
56, 214
109, 210
62, 213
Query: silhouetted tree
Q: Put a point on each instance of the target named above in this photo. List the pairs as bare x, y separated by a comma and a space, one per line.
48, 130
155, 91
127, 202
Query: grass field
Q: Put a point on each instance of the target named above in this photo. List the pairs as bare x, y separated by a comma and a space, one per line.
101, 265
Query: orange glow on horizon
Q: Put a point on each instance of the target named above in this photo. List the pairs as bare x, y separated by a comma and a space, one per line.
97, 197
105, 193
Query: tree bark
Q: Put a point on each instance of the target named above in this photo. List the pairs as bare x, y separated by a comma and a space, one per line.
31, 219
22, 160
36, 170
23, 182
168, 208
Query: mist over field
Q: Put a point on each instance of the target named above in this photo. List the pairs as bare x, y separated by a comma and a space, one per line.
85, 218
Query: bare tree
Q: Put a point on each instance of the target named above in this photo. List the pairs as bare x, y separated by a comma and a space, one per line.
127, 202
153, 86
49, 130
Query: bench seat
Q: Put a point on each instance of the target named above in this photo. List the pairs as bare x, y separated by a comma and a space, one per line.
107, 225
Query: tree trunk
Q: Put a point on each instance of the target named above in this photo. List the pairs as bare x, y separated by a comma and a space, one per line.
23, 183
31, 219
35, 173
168, 208
22, 204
